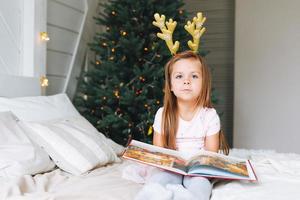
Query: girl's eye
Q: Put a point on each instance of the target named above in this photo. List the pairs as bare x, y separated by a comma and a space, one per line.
195, 76
178, 76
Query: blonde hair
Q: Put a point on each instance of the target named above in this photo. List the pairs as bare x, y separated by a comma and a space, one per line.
170, 111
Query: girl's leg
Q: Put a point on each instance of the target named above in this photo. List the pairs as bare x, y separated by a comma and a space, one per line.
164, 177
200, 187
155, 187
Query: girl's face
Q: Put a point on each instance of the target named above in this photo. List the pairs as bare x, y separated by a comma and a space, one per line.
186, 79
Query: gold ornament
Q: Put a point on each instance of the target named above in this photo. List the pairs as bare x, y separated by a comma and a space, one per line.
150, 130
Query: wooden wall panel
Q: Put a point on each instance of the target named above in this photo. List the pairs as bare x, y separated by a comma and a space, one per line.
219, 40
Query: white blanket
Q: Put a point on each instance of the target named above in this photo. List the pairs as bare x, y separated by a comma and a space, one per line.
278, 174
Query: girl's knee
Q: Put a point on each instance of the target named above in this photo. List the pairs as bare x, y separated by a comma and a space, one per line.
164, 177
200, 187
198, 182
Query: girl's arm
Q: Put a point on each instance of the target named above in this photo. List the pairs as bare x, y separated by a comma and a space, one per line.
212, 143
157, 139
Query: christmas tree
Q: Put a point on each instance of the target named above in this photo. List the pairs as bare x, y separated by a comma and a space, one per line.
122, 91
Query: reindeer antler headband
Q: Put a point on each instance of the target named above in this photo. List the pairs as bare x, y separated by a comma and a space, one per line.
194, 28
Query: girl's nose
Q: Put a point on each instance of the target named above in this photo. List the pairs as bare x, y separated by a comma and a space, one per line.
186, 82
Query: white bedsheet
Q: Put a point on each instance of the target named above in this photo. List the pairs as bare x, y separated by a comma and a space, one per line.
278, 174
102, 183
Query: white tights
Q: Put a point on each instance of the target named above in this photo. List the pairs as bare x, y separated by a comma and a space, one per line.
199, 187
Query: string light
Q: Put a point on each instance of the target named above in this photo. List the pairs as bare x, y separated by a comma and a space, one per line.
113, 12
113, 50
98, 62
116, 92
145, 49
181, 12
85, 97
111, 58
104, 44
142, 79
44, 36
44, 81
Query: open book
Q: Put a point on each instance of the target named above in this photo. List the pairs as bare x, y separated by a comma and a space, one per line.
204, 163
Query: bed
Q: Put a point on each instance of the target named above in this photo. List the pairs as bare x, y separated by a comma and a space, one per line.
23, 176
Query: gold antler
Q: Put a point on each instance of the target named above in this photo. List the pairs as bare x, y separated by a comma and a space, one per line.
196, 30
166, 32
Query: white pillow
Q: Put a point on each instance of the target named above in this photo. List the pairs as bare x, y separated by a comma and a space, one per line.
86, 125
39, 108
72, 144
18, 155
45, 108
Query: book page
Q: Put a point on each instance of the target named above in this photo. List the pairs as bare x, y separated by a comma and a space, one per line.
228, 164
156, 156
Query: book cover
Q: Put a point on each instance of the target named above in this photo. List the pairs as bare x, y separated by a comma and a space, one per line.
204, 163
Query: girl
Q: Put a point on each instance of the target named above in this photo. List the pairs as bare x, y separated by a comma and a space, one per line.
187, 122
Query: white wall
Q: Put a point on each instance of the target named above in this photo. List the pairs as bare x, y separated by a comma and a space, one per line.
267, 75
218, 39
22, 53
